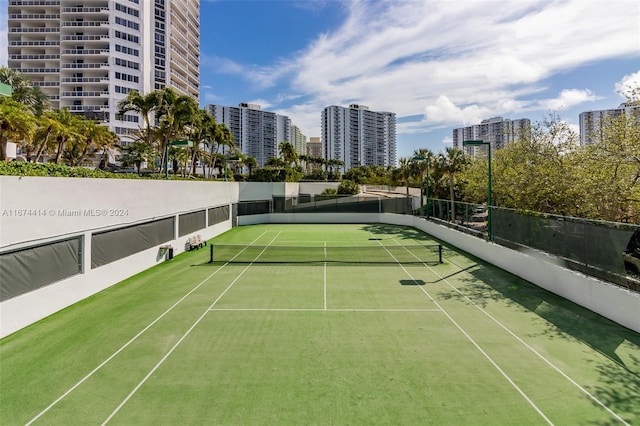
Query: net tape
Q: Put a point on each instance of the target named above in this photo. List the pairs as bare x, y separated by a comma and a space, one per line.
381, 254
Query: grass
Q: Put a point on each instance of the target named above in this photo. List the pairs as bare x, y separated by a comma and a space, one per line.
189, 342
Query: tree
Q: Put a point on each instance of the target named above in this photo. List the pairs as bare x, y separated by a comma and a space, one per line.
24, 92
173, 116
144, 106
451, 162
16, 123
251, 164
135, 154
92, 136
276, 162
66, 132
288, 153
348, 187
221, 138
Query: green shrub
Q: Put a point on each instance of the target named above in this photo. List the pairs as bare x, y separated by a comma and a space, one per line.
348, 187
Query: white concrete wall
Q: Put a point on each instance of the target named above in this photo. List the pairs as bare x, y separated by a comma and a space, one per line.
35, 209
39, 208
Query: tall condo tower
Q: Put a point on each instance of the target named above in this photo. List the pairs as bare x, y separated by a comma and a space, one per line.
88, 54
256, 133
496, 130
358, 136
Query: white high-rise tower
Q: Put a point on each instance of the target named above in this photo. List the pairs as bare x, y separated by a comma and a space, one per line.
88, 54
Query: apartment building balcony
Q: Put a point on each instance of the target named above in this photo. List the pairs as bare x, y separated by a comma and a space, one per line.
84, 24
85, 66
84, 52
98, 37
45, 43
104, 79
33, 57
37, 70
85, 94
35, 16
45, 84
85, 10
26, 30
84, 108
34, 3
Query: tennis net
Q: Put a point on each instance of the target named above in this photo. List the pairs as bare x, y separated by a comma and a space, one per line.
380, 254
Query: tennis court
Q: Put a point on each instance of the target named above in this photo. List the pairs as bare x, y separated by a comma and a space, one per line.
322, 324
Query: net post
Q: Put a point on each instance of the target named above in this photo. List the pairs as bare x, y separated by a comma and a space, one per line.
211, 253
439, 253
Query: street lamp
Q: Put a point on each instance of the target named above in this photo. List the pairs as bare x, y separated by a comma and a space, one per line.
177, 142
425, 183
488, 144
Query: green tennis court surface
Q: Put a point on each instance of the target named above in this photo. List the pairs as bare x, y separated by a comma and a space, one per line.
278, 342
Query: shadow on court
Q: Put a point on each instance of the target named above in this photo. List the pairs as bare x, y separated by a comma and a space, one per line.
412, 282
398, 232
618, 383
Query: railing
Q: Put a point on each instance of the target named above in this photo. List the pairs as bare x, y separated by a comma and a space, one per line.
606, 250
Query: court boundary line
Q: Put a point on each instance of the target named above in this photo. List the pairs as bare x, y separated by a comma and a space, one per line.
473, 342
325, 277
129, 342
184, 336
525, 344
319, 310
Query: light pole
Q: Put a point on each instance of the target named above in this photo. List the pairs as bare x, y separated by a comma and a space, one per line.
177, 142
488, 144
425, 183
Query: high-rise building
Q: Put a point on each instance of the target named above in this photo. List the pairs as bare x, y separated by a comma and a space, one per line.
497, 131
255, 132
88, 54
592, 122
314, 147
298, 140
358, 136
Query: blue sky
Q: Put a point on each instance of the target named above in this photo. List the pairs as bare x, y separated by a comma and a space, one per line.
437, 64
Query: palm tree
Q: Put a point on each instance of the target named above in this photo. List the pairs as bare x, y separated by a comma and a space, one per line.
200, 131
47, 126
16, 123
68, 130
22, 91
288, 153
135, 154
173, 116
90, 136
452, 162
144, 106
222, 138
251, 163
422, 158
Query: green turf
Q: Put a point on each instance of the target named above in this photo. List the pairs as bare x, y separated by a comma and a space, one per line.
454, 343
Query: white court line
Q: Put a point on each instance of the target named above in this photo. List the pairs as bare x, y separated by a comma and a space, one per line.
103, 363
497, 367
320, 310
325, 276
184, 336
532, 349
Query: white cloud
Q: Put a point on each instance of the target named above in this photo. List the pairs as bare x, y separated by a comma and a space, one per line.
626, 86
567, 99
458, 62
448, 140
445, 111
